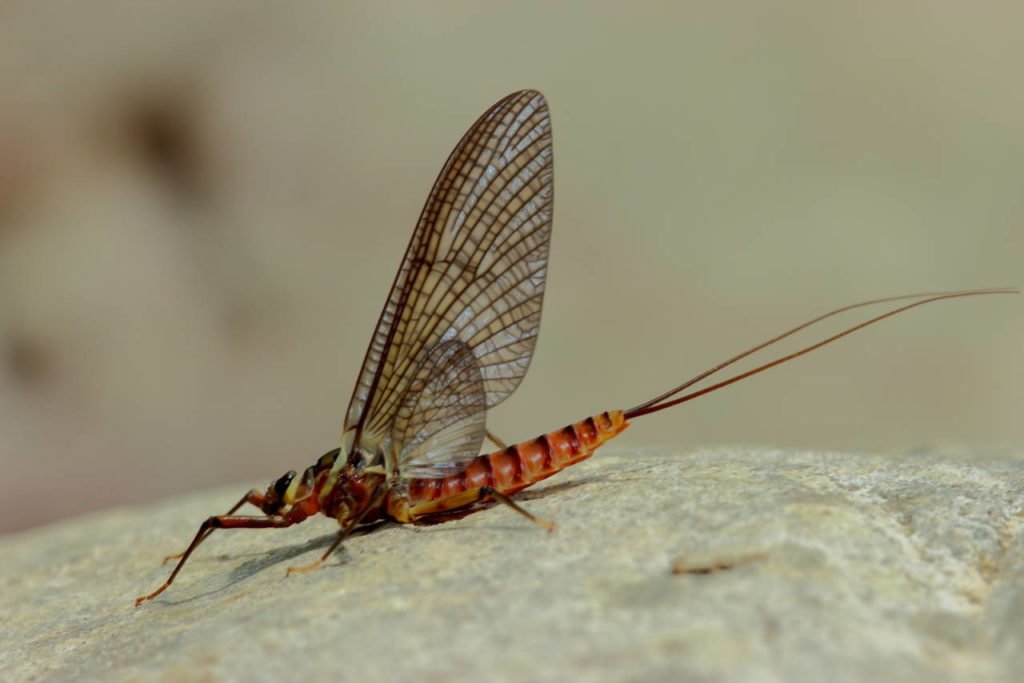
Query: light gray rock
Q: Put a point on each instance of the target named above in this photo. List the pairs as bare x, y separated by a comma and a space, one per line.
734, 565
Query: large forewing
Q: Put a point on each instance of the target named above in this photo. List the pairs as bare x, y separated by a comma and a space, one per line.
474, 270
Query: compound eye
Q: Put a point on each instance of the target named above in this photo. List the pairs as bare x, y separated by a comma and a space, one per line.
326, 460
282, 484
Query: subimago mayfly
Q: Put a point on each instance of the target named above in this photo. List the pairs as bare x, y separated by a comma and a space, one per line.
455, 338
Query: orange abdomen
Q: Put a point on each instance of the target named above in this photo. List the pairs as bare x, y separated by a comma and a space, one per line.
512, 469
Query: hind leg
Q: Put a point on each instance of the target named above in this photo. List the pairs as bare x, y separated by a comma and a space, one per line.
466, 499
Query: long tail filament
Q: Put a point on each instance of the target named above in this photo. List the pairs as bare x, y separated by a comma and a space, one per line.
661, 402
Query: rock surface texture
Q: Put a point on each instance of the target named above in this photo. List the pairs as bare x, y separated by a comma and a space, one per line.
725, 565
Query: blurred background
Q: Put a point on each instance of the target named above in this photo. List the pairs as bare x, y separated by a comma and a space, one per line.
202, 206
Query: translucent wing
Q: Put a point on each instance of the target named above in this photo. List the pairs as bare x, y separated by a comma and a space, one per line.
474, 272
440, 425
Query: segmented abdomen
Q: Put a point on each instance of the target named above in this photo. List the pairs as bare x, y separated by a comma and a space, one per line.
519, 466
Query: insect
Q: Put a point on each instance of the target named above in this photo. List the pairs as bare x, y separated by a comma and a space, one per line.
455, 338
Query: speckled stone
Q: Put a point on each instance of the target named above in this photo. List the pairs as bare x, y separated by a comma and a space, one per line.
725, 565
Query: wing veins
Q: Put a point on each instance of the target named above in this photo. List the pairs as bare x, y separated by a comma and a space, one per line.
441, 314
473, 274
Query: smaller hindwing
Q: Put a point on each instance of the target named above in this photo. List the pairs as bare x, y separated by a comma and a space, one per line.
441, 423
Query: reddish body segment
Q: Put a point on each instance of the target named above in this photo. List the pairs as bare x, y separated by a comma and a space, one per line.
507, 471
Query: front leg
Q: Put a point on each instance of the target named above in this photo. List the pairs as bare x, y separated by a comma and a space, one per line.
207, 527
254, 496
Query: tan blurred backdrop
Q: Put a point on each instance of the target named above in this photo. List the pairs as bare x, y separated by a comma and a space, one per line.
202, 206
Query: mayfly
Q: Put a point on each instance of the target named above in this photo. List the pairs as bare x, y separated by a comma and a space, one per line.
455, 339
